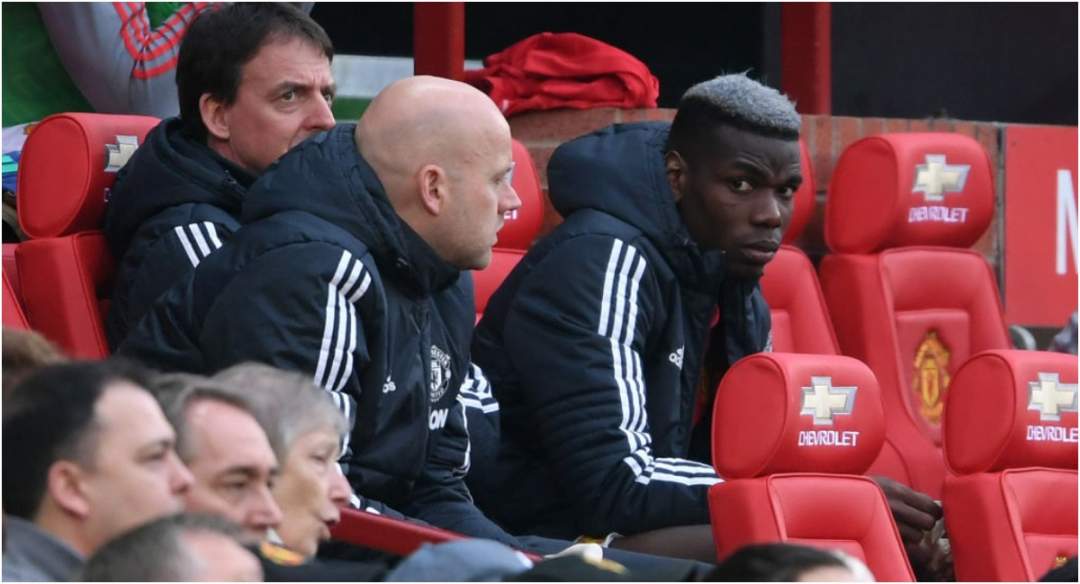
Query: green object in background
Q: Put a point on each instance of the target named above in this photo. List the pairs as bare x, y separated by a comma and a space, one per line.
349, 108
35, 83
159, 12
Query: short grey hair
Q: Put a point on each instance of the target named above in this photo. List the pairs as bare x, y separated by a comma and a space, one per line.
287, 403
747, 103
176, 392
156, 551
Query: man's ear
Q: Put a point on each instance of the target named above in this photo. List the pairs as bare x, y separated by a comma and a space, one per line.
65, 486
675, 165
214, 116
433, 188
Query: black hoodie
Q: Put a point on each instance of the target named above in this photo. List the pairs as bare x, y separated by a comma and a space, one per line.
594, 347
174, 203
324, 278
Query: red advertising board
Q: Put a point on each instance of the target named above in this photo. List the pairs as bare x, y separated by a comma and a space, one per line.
1040, 225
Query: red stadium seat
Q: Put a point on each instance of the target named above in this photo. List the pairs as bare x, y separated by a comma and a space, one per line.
791, 434
1010, 439
14, 315
800, 321
393, 536
65, 269
904, 293
517, 233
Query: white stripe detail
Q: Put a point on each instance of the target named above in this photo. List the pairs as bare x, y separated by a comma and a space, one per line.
605, 300
362, 290
466, 464
194, 259
199, 239
212, 231
328, 327
346, 371
683, 465
339, 343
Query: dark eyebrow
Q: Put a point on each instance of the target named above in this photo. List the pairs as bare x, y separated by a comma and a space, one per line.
749, 168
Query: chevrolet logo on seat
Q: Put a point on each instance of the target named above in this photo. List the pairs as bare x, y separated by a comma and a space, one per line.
937, 177
1050, 397
117, 155
822, 401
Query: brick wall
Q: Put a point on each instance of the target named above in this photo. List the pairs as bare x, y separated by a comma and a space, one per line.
826, 137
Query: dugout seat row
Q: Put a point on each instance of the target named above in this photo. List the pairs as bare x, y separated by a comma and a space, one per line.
795, 448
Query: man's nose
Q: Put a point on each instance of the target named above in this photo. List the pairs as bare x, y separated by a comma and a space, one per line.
182, 478
321, 117
509, 200
264, 512
768, 211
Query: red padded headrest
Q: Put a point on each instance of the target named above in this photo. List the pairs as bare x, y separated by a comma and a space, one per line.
522, 225
805, 198
67, 166
896, 190
1012, 409
793, 412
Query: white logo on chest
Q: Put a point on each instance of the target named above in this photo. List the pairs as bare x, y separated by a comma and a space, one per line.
440, 373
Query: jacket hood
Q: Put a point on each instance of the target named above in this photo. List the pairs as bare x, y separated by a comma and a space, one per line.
169, 169
327, 177
620, 171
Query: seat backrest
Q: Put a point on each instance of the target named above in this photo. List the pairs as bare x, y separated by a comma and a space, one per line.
1011, 442
791, 434
14, 315
518, 232
905, 294
65, 270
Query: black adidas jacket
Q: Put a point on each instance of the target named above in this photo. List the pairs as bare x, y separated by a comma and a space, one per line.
593, 347
174, 203
324, 278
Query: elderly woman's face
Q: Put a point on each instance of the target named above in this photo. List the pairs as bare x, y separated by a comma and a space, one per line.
310, 490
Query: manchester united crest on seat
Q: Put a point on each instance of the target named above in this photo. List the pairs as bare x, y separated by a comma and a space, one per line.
930, 380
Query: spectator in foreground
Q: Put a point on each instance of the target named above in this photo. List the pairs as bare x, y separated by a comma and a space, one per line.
178, 548
305, 430
782, 562
219, 439
25, 351
88, 454
253, 80
236, 475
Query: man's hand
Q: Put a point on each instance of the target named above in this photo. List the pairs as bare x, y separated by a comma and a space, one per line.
914, 512
915, 515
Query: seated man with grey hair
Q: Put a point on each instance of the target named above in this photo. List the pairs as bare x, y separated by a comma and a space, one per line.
595, 344
177, 548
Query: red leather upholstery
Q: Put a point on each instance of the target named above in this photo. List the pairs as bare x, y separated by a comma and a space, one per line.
517, 233
1011, 439
10, 268
387, 534
391, 535
791, 433
892, 190
13, 313
915, 311
14, 316
800, 321
67, 166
